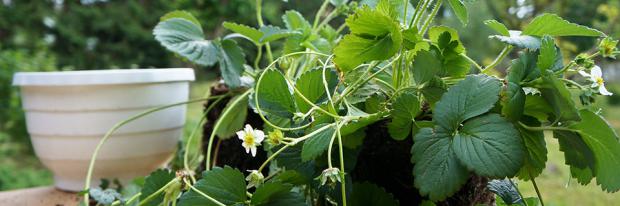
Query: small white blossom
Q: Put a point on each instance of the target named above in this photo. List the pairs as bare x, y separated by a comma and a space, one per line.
596, 76
255, 178
331, 174
251, 138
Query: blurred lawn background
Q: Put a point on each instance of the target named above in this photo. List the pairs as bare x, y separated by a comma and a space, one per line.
49, 35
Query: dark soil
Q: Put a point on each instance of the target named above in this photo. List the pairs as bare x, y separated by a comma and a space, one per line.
382, 161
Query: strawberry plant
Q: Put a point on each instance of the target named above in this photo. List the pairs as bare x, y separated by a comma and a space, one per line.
323, 92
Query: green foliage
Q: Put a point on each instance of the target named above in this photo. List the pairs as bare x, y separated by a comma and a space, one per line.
603, 141
374, 36
405, 108
226, 185
276, 98
318, 89
438, 173
277, 194
553, 25
317, 142
157, 179
490, 146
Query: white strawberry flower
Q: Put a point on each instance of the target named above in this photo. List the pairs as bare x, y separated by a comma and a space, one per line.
596, 76
251, 138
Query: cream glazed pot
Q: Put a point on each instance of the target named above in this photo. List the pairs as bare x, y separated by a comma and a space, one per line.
67, 114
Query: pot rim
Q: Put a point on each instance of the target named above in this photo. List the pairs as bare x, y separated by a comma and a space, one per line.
103, 77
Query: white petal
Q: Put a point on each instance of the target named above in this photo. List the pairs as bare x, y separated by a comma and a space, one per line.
604, 91
584, 73
595, 84
241, 135
247, 149
259, 136
596, 72
248, 128
253, 151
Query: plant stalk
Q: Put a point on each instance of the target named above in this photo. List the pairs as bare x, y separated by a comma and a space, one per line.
117, 126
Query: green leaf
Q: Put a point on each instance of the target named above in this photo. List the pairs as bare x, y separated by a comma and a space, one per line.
559, 97
363, 93
310, 84
374, 36
473, 96
537, 106
249, 33
277, 194
226, 185
490, 146
536, 156
506, 190
435, 35
367, 194
274, 95
513, 101
515, 38
157, 179
459, 9
437, 171
497, 27
425, 66
182, 15
392, 8
318, 142
523, 69
295, 21
233, 121
554, 25
577, 155
405, 108
185, 38
434, 90
231, 60
547, 55
272, 33
603, 140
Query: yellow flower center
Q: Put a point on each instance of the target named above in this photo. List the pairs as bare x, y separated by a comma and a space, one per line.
599, 81
248, 139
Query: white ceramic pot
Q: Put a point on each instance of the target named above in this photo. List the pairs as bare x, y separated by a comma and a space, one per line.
67, 114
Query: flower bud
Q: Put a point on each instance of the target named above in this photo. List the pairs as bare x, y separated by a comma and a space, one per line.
255, 178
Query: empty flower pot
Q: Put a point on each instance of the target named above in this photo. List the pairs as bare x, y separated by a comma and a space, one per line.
67, 114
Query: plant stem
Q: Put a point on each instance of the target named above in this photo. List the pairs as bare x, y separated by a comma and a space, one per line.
545, 128
219, 123
203, 194
537, 190
431, 17
329, 151
259, 18
194, 131
342, 175
362, 81
498, 60
160, 190
406, 3
91, 165
262, 166
419, 12
259, 55
472, 62
518, 191
319, 13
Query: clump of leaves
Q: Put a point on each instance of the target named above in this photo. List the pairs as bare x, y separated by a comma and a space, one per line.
319, 91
